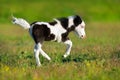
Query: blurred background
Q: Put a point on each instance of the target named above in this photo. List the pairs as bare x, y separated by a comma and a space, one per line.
45, 10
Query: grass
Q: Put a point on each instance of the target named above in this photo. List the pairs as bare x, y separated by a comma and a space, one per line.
95, 58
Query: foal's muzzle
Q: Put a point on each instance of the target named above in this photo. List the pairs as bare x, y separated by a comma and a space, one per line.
83, 36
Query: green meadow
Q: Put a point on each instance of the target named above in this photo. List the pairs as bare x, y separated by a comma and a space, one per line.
95, 58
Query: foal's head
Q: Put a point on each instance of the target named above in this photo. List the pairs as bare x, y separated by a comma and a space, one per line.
80, 30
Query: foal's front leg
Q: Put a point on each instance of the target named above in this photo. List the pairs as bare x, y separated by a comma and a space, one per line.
69, 46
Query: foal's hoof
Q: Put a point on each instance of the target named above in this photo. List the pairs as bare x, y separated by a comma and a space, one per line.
39, 65
65, 56
66, 59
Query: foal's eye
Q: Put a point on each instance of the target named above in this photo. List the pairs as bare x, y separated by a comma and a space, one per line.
82, 26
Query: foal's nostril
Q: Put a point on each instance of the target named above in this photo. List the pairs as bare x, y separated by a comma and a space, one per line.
81, 35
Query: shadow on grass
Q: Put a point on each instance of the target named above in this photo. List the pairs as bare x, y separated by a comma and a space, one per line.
91, 57
116, 54
79, 58
25, 59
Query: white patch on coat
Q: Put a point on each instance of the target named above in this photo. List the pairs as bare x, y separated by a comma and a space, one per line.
57, 30
70, 23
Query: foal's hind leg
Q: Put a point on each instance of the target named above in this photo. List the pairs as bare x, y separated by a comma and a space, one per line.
37, 50
43, 53
36, 53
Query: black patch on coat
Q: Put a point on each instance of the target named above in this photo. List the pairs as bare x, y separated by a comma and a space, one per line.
72, 28
41, 33
65, 36
77, 20
64, 22
53, 23
50, 37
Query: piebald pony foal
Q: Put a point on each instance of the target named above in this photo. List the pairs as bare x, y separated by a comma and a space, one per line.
57, 30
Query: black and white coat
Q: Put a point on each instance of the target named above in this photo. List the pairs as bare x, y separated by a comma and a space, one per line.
58, 31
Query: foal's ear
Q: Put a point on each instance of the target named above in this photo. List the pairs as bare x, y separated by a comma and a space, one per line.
77, 20
12, 18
